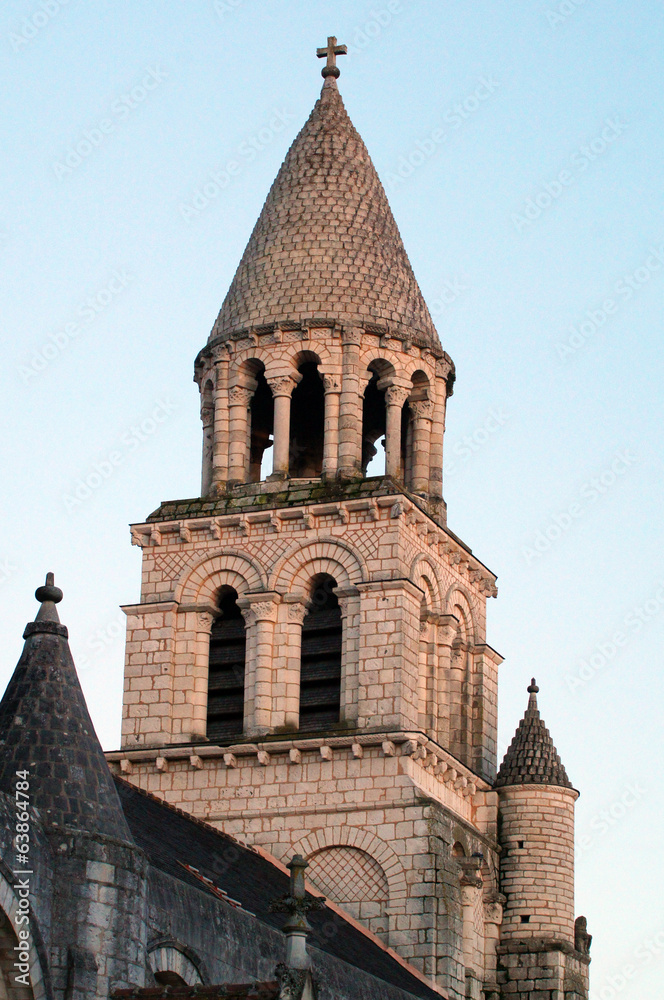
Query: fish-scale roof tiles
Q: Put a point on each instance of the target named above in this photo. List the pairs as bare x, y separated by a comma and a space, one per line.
326, 245
532, 759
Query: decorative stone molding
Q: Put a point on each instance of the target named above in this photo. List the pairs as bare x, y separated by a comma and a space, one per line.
295, 755
230, 760
283, 385
395, 395
196, 762
239, 396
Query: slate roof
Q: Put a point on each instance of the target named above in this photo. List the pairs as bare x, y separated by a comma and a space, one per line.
532, 759
326, 244
172, 839
45, 728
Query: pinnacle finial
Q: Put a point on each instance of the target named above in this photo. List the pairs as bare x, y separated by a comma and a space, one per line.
331, 50
532, 687
49, 595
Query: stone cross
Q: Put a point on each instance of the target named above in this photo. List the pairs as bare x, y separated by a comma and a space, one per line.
332, 50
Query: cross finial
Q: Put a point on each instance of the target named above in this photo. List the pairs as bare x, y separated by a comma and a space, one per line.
332, 50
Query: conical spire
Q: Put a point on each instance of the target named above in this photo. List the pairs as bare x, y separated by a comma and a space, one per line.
45, 729
532, 758
326, 245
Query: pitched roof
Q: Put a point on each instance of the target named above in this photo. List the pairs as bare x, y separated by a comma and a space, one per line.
45, 728
176, 843
532, 758
326, 244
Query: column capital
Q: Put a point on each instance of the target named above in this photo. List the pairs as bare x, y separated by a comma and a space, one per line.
422, 409
204, 621
297, 612
238, 395
283, 385
332, 383
258, 607
395, 395
351, 336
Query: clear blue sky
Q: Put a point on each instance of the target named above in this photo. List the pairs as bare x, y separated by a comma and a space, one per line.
535, 228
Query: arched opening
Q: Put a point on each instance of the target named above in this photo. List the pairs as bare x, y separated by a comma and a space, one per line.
320, 665
355, 880
305, 460
261, 438
225, 710
373, 425
169, 978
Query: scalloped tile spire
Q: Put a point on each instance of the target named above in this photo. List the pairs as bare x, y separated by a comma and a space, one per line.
532, 759
326, 245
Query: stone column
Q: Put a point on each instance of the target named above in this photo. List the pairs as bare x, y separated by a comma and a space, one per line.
443, 389
290, 655
349, 603
221, 428
422, 411
446, 632
199, 679
473, 925
260, 614
428, 709
350, 407
282, 388
332, 385
239, 399
395, 397
207, 419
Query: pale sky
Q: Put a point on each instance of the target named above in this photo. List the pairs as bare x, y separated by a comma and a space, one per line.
520, 145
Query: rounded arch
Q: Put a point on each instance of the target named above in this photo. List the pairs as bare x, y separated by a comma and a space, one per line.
458, 597
10, 910
304, 560
168, 956
424, 575
201, 581
361, 840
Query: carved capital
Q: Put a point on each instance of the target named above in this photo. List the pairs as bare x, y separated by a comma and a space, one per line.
297, 613
283, 385
257, 611
204, 620
395, 395
422, 409
332, 383
207, 414
239, 396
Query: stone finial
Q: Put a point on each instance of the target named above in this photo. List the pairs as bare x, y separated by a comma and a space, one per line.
331, 50
296, 905
49, 595
532, 758
532, 687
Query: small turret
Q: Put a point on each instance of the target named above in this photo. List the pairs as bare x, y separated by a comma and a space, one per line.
537, 833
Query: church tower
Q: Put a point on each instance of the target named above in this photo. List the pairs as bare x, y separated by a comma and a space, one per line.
308, 668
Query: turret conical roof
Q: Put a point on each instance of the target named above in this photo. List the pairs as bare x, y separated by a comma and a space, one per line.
532, 759
45, 729
326, 245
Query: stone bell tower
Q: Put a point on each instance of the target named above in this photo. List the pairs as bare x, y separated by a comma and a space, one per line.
307, 667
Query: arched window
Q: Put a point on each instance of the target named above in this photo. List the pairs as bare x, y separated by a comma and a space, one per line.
307, 423
320, 670
262, 426
225, 711
373, 427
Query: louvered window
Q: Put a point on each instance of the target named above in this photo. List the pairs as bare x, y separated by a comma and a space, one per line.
225, 712
320, 674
